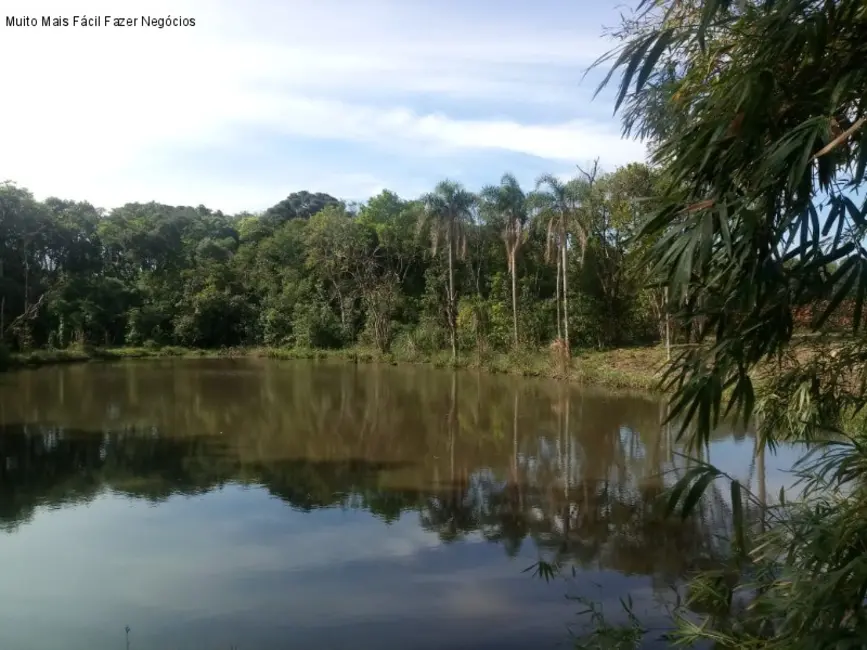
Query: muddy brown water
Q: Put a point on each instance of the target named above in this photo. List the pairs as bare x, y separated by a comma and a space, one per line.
264, 504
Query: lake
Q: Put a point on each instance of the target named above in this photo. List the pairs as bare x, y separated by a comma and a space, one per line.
263, 504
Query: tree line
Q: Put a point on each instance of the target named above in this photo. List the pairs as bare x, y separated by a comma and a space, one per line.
501, 269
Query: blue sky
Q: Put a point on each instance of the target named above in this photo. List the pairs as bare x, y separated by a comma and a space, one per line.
265, 97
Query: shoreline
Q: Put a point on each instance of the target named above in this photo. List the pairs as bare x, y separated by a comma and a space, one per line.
620, 368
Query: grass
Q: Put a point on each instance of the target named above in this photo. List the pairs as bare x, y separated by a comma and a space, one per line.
44, 357
632, 368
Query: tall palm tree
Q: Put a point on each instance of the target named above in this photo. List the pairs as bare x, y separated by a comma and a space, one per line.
506, 203
556, 203
447, 209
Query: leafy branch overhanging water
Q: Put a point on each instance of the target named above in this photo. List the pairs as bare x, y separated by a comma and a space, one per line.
755, 112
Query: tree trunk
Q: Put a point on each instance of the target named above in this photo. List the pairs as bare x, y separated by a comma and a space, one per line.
514, 300
451, 297
559, 321
340, 303
565, 298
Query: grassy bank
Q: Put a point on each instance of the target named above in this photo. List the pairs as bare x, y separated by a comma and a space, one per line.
633, 368
36, 358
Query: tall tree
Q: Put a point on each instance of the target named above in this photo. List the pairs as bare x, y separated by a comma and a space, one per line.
298, 205
447, 210
556, 202
337, 247
506, 204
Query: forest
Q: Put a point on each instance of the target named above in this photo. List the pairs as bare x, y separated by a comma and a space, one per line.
454, 270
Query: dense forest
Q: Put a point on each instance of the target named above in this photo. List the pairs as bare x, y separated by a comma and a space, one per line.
507, 267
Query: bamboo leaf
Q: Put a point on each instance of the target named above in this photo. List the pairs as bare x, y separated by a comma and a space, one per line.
680, 487
836, 212
856, 215
861, 164
804, 230
850, 267
636, 58
723, 217
698, 489
709, 8
662, 42
738, 518
859, 298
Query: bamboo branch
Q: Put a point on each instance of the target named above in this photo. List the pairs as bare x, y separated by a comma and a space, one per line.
840, 138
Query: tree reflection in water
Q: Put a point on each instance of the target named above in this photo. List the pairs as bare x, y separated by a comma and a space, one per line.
577, 474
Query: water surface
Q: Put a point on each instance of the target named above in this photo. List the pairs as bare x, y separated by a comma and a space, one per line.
264, 504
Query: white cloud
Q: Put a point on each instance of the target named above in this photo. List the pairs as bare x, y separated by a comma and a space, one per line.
394, 127
96, 110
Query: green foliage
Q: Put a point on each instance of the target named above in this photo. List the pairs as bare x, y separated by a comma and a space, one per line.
755, 116
147, 323
506, 208
298, 205
606, 636
316, 325
474, 324
446, 214
426, 338
449, 270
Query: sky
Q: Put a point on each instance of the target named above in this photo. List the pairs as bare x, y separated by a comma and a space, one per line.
262, 98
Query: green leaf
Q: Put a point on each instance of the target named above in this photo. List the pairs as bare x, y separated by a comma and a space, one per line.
692, 498
836, 212
861, 165
709, 8
859, 299
662, 42
851, 270
680, 487
856, 214
804, 229
738, 518
814, 222
635, 59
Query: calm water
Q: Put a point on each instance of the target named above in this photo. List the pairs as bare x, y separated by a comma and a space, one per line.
297, 505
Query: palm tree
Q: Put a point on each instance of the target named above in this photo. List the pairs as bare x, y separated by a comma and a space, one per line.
507, 204
447, 209
556, 203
